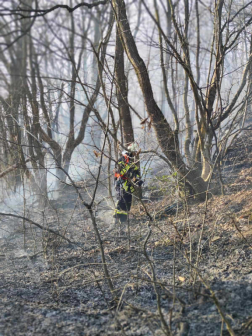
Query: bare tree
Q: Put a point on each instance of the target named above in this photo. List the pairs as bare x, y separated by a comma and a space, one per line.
168, 140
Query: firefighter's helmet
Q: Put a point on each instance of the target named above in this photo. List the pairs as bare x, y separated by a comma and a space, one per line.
133, 147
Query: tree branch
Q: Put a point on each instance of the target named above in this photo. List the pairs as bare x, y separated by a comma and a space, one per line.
36, 224
236, 96
43, 12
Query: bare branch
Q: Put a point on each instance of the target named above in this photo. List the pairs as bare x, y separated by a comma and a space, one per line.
234, 100
43, 12
36, 224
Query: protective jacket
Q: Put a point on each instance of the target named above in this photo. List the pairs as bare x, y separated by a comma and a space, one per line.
127, 172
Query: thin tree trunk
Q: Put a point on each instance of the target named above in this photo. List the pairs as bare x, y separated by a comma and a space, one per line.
167, 94
188, 135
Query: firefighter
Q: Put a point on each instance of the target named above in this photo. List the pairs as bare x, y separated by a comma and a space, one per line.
127, 177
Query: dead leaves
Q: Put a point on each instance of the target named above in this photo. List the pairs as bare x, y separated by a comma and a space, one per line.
247, 215
163, 242
215, 238
145, 121
182, 279
96, 153
247, 233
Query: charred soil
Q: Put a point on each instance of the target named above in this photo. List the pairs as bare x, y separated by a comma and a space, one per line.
53, 287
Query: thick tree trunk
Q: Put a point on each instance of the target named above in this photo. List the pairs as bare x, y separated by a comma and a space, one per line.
206, 159
122, 91
66, 161
168, 140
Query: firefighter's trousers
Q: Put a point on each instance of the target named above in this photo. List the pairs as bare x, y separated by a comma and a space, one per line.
124, 199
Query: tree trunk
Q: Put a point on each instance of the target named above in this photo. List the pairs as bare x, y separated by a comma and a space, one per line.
122, 91
188, 133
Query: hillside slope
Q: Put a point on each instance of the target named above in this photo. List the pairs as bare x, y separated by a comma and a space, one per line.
56, 288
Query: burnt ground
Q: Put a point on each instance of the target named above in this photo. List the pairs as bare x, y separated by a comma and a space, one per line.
53, 287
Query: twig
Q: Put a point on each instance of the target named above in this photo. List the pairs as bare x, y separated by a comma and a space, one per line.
36, 224
216, 301
164, 324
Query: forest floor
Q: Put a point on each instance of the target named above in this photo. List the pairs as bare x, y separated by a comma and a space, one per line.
56, 288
